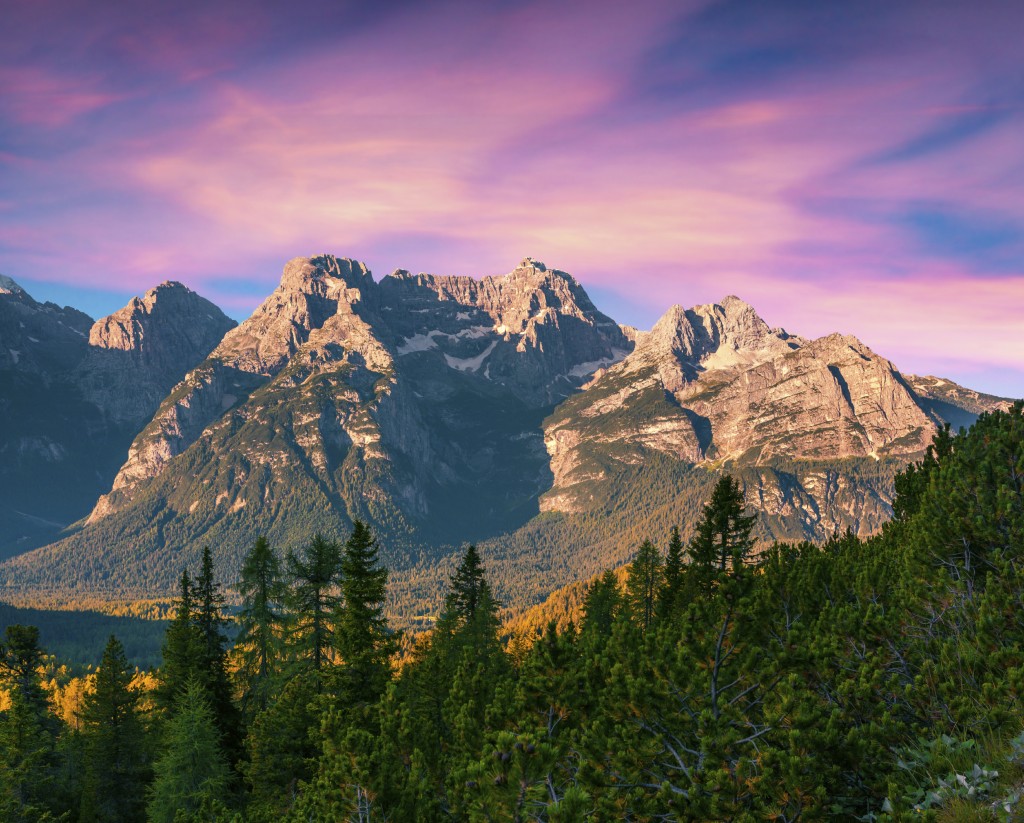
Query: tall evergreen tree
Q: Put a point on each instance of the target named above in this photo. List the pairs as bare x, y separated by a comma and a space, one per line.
468, 586
671, 594
362, 638
261, 622
601, 605
28, 732
314, 599
192, 774
116, 769
722, 543
211, 655
180, 650
643, 584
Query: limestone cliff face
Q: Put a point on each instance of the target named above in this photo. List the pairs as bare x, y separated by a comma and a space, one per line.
317, 297
530, 337
534, 331
138, 354
715, 385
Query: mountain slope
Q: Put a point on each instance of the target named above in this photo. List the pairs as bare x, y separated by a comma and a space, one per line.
507, 410
73, 393
414, 403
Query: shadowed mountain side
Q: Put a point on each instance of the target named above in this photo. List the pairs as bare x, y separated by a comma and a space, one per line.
74, 393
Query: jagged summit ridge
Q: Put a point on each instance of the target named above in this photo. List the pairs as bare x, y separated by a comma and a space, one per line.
717, 384
9, 286
442, 409
532, 334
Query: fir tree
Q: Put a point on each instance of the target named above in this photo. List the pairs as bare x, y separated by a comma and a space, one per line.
193, 772
181, 649
314, 600
260, 621
115, 762
601, 605
362, 638
468, 586
211, 655
28, 732
671, 594
722, 543
643, 584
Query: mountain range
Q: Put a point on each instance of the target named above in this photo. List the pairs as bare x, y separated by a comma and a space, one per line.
507, 410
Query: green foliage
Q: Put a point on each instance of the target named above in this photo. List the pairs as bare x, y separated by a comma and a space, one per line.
192, 773
878, 679
643, 584
257, 649
28, 733
362, 638
116, 761
313, 599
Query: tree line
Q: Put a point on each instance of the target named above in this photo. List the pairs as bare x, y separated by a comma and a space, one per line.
876, 679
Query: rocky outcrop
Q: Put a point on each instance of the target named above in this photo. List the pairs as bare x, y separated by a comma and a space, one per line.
533, 332
532, 335
714, 384
73, 393
138, 354
316, 296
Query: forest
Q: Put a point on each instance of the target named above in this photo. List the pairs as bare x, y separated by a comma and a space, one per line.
866, 679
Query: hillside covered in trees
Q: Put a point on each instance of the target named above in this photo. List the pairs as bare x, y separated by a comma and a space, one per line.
876, 679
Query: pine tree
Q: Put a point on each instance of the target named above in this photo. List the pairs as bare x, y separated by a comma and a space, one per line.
314, 600
261, 621
282, 746
601, 605
28, 732
671, 594
722, 543
211, 656
180, 651
362, 638
115, 762
643, 584
467, 586
193, 772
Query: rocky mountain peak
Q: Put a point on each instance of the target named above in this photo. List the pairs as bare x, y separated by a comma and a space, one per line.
138, 353
162, 321
687, 342
9, 286
312, 290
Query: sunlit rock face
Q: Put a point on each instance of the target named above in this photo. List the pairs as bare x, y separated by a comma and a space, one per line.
435, 381
715, 385
445, 409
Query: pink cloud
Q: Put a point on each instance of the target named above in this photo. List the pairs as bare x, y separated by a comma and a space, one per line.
38, 97
488, 134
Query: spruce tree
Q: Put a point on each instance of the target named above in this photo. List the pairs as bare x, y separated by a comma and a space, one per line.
211, 655
193, 772
314, 600
722, 543
643, 584
601, 605
180, 650
28, 732
671, 594
362, 638
467, 586
116, 771
260, 621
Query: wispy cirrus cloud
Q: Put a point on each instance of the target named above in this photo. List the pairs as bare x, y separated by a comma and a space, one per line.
841, 166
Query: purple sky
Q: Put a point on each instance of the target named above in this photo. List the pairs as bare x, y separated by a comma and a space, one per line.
843, 166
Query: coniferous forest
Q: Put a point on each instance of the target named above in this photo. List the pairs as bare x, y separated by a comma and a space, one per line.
876, 679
